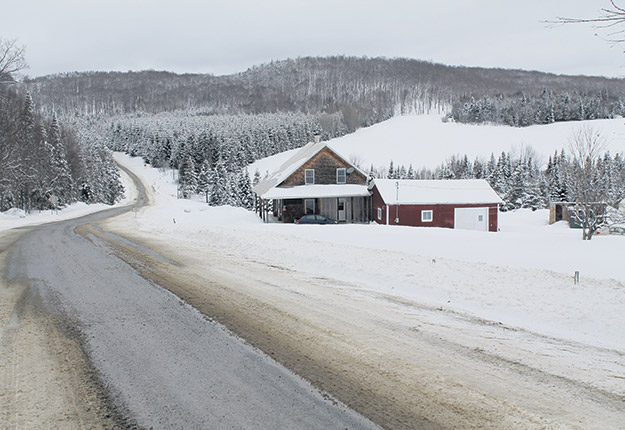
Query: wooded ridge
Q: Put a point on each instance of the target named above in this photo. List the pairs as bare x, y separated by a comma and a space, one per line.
364, 90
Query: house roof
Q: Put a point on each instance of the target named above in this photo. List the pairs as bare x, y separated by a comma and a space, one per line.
290, 166
451, 191
317, 191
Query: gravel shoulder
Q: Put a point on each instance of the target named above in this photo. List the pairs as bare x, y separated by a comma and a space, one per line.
46, 380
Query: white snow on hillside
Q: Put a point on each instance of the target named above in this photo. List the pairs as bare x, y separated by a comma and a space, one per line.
425, 141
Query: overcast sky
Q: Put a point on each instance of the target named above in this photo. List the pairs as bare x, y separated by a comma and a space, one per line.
220, 37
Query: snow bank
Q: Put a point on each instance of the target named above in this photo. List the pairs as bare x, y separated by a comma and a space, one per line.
14, 218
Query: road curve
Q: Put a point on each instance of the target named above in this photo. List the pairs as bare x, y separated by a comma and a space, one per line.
162, 361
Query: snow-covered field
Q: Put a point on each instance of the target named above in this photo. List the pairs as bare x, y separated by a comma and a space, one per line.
425, 141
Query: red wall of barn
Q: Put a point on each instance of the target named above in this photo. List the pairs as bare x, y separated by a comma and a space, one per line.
410, 215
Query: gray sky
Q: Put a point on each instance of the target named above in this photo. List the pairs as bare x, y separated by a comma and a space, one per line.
219, 37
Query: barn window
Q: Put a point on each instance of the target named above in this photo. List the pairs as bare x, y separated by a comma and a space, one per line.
379, 213
309, 205
427, 216
341, 177
309, 176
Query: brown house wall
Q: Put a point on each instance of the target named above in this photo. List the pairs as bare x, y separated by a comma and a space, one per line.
325, 163
442, 215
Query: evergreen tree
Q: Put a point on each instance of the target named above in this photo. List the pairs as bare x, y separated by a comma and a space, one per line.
61, 183
391, 171
245, 192
204, 180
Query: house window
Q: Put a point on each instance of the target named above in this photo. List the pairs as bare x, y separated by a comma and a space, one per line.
341, 177
427, 216
309, 205
309, 176
379, 213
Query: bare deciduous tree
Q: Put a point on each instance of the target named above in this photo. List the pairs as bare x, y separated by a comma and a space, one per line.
585, 185
12, 59
611, 18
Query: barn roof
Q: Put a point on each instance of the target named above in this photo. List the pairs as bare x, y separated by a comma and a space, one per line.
451, 191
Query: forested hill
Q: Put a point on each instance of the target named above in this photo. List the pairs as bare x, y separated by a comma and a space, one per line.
364, 90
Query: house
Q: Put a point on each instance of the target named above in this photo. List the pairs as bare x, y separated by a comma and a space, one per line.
462, 203
315, 180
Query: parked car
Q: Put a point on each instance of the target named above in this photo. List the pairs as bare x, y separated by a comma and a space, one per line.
617, 229
315, 219
613, 229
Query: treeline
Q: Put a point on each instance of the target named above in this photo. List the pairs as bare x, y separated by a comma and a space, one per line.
521, 110
44, 165
212, 152
520, 181
364, 91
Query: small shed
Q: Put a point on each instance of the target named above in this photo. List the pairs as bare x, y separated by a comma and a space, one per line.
456, 203
560, 211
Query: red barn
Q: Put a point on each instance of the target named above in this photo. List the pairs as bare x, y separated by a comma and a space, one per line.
460, 203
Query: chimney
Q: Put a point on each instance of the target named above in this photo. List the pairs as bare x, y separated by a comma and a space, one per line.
317, 137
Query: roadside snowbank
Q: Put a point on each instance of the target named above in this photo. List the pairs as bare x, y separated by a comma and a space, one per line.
14, 218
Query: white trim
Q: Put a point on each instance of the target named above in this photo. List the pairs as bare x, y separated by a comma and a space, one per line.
379, 214
306, 176
427, 211
344, 175
306, 208
344, 210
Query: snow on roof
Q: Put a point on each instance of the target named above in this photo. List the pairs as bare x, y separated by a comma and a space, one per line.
452, 191
317, 191
288, 167
291, 165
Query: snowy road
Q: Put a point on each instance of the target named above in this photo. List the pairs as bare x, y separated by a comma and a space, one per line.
164, 363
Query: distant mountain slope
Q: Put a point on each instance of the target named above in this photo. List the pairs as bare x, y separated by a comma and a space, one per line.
426, 142
364, 90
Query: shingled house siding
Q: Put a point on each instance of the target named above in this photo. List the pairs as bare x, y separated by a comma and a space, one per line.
325, 164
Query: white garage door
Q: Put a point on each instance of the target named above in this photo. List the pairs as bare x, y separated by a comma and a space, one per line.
471, 218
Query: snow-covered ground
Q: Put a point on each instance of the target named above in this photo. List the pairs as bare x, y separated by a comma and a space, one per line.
425, 141
521, 276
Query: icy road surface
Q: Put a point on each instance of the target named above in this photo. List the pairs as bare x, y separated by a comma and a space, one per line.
162, 361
